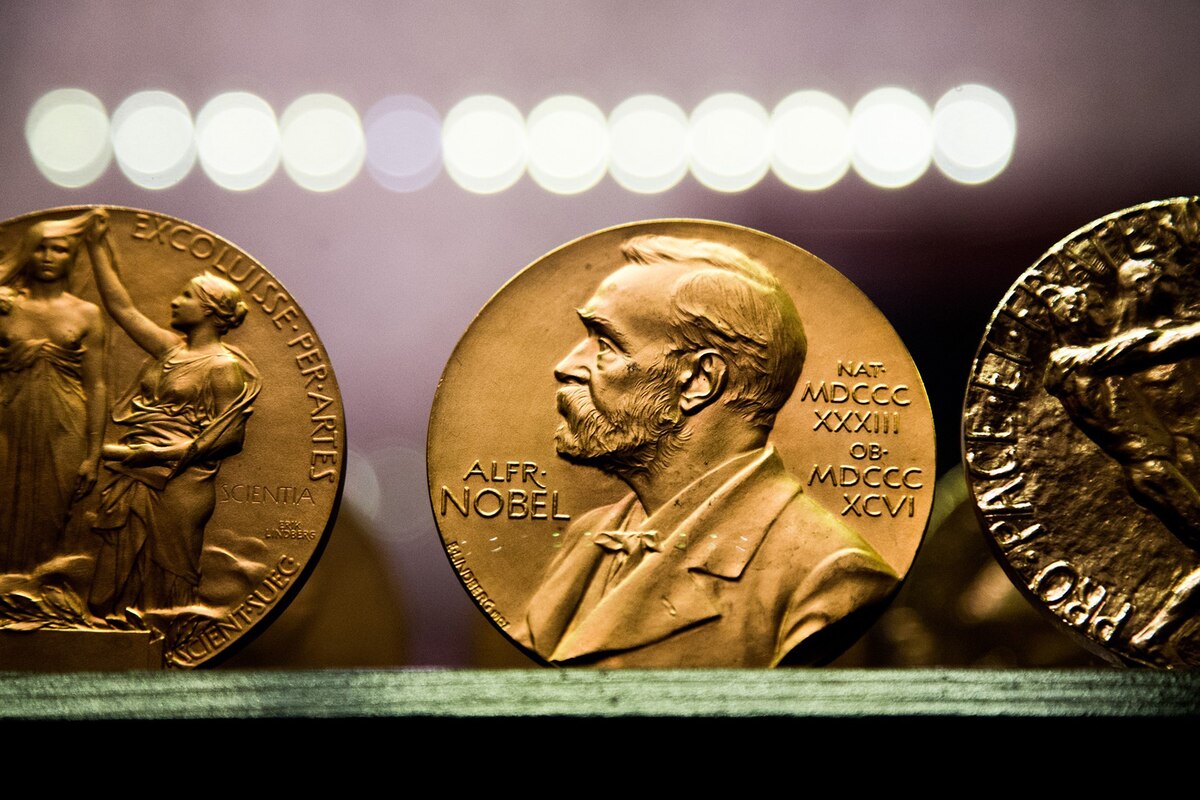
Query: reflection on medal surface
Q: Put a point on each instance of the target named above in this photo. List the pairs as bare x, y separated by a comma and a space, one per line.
160, 492
1082, 433
680, 443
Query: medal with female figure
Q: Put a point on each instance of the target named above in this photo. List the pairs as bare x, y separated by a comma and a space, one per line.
218, 393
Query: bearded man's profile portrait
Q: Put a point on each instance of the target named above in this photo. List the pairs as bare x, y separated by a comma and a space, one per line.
716, 557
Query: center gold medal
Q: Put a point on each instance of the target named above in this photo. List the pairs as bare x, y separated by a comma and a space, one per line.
680, 443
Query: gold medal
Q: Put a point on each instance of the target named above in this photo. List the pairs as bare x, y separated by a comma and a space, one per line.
1081, 439
680, 443
171, 442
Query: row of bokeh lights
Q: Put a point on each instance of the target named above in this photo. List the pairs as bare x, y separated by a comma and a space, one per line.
566, 144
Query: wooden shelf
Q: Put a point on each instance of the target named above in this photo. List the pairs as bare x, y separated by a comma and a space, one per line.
696, 694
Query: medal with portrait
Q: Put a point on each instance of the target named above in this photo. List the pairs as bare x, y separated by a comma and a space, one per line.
680, 443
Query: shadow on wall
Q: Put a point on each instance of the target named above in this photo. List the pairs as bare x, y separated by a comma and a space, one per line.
347, 615
958, 608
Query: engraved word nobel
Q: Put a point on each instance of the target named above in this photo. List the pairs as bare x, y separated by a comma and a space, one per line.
533, 502
109, 471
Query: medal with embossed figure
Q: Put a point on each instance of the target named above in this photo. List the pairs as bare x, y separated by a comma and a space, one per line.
1082, 433
170, 442
680, 443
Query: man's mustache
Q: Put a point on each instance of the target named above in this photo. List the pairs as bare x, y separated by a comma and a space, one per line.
575, 404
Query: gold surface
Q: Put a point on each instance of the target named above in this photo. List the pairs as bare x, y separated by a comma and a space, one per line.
189, 371
780, 540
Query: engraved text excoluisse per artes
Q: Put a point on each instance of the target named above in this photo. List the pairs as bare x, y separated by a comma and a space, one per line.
171, 441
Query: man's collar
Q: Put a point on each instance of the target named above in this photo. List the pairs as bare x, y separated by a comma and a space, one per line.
718, 521
725, 530
716, 534
667, 517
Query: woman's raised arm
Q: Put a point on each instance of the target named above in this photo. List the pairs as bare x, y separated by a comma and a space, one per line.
148, 336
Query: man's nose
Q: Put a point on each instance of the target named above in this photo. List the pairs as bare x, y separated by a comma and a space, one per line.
573, 368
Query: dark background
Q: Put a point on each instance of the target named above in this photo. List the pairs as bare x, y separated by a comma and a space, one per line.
1105, 95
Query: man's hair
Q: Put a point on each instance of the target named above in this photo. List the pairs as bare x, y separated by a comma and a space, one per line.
733, 304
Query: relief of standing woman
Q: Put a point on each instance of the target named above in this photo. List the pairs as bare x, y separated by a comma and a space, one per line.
184, 413
52, 391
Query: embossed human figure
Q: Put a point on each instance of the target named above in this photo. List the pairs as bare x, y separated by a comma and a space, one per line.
52, 392
185, 412
716, 557
1134, 394
1150, 298
1103, 385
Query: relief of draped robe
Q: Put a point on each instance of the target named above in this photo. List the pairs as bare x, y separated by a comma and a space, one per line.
152, 518
43, 440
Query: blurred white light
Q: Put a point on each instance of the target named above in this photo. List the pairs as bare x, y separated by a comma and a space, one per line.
810, 132
322, 142
568, 144
483, 144
404, 143
237, 139
729, 143
67, 134
362, 491
153, 139
891, 134
974, 128
648, 144
404, 505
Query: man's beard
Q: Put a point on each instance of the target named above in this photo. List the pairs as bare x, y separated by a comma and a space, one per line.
628, 439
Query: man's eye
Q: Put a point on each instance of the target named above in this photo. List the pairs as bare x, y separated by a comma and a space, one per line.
603, 347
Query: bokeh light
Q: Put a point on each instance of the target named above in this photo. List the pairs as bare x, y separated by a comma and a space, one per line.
974, 130
810, 133
68, 136
648, 144
729, 143
361, 491
404, 509
484, 144
322, 142
891, 134
404, 143
153, 139
237, 140
568, 144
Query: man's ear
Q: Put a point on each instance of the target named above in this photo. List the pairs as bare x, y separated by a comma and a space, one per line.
702, 380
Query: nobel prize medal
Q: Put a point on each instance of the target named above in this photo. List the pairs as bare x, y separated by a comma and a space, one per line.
680, 443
